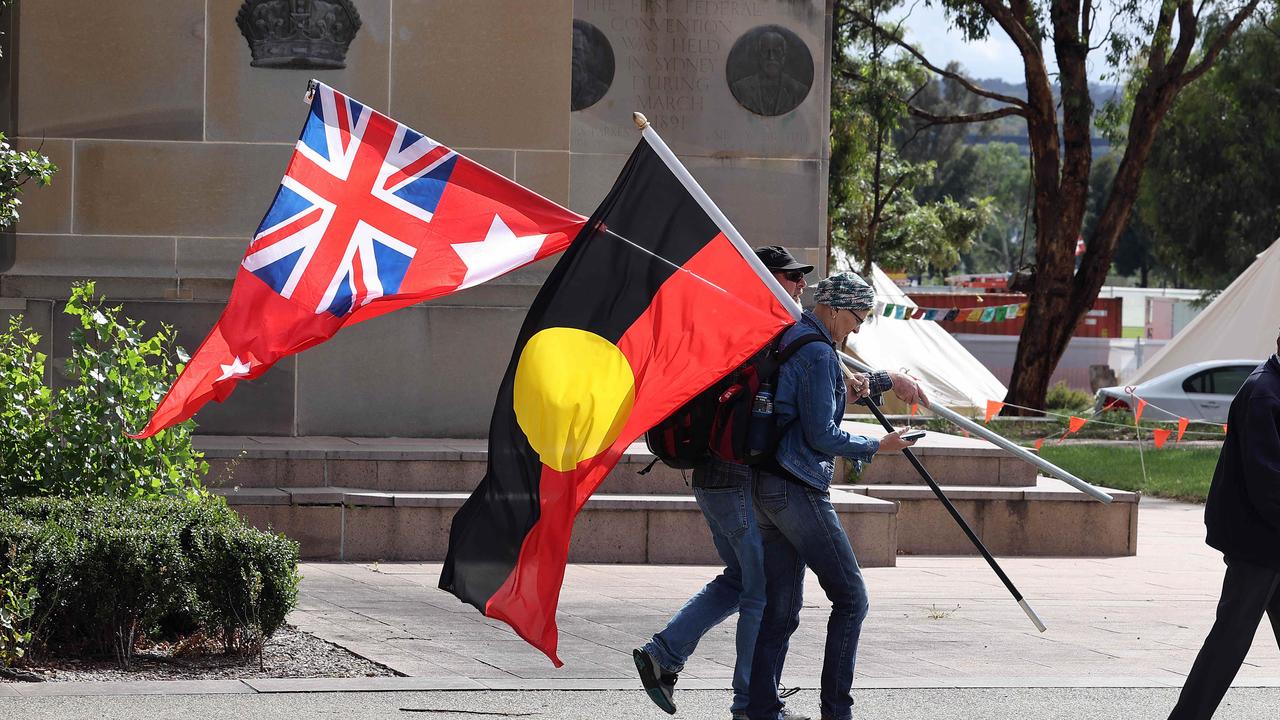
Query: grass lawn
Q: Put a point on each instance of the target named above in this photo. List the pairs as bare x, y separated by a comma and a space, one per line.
1176, 473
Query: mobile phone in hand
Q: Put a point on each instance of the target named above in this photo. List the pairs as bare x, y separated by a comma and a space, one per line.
912, 435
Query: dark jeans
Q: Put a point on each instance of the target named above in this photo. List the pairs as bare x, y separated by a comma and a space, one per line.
799, 527
728, 510
1247, 592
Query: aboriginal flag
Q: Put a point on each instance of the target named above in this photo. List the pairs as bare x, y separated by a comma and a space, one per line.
648, 306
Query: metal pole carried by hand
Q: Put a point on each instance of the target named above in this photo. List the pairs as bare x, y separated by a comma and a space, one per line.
955, 515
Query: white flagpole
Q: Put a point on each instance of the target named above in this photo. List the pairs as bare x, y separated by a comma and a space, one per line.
709, 207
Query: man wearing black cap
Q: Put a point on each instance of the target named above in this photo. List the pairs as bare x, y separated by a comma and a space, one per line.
724, 494
790, 274
1242, 516
789, 271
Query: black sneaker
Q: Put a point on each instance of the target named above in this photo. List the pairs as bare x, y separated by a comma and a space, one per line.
658, 683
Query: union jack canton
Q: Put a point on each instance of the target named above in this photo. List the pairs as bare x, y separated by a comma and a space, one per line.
342, 229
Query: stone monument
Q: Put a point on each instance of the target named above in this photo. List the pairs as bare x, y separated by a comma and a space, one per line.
172, 130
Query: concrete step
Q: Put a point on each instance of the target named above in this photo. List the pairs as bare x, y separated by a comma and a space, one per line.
346, 523
447, 464
950, 459
1044, 519
394, 464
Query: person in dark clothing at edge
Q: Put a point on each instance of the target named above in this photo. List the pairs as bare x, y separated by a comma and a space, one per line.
1242, 516
724, 494
798, 522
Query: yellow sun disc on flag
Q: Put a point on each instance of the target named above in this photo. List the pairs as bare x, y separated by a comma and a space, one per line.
573, 393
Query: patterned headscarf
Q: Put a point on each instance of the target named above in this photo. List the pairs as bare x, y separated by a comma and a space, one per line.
845, 291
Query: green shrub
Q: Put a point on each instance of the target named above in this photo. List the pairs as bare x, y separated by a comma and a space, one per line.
17, 601
109, 571
26, 409
72, 441
249, 582
1061, 397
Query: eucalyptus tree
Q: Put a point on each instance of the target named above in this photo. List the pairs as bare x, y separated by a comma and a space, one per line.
1173, 43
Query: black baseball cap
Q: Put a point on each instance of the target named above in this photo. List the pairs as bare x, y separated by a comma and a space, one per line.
777, 259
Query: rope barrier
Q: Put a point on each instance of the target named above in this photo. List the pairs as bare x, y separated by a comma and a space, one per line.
1123, 425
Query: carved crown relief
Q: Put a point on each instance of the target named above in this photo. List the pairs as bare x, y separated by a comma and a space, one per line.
299, 33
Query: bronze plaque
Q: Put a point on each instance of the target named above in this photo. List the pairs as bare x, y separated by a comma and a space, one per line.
769, 70
593, 65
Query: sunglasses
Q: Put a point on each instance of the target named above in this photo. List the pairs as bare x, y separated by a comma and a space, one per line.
794, 275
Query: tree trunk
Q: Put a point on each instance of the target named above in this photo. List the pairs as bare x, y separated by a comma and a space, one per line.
1052, 315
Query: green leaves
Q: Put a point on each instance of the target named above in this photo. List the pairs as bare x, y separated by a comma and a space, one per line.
72, 442
876, 214
16, 170
17, 605
1209, 192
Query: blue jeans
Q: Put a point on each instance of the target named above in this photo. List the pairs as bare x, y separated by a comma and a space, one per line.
799, 527
728, 510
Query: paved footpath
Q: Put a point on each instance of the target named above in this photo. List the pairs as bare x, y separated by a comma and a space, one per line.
943, 640
934, 622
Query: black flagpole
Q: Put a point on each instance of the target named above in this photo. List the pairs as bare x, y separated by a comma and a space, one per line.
955, 514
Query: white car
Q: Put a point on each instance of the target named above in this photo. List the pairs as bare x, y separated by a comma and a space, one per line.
1199, 391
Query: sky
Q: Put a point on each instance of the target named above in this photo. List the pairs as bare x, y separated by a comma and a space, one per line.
996, 57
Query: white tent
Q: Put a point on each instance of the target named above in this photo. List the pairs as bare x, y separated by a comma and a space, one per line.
923, 349
1241, 323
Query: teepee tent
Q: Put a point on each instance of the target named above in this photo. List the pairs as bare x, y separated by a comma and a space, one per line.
951, 376
1241, 323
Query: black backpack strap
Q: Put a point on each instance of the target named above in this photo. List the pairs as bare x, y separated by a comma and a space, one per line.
785, 353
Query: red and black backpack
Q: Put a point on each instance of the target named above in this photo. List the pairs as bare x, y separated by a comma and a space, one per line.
714, 423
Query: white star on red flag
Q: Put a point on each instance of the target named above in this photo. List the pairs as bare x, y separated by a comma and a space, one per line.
500, 251
237, 368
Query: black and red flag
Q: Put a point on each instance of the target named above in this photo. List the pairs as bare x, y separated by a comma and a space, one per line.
649, 305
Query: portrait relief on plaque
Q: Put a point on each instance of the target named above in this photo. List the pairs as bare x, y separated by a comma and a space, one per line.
593, 65
769, 70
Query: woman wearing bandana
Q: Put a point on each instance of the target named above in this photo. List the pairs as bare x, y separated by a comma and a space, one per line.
798, 523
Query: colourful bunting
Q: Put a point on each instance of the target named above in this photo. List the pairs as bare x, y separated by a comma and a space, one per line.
1137, 414
915, 408
1224, 428
1039, 443
1161, 436
996, 313
1075, 424
993, 408
1182, 427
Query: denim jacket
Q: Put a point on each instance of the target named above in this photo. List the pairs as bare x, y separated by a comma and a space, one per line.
809, 405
